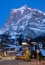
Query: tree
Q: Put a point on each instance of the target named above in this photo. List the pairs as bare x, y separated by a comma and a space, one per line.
20, 39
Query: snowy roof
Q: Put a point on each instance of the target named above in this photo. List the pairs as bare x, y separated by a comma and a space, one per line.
42, 52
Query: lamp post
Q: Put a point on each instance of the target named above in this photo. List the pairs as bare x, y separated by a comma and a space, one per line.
37, 53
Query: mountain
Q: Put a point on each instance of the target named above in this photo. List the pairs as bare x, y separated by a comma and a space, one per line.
25, 21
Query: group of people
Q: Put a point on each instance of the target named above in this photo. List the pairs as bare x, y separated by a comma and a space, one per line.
28, 54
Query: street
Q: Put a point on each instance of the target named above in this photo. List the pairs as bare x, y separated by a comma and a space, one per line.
21, 62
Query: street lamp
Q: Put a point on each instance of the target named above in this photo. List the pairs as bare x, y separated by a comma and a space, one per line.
37, 53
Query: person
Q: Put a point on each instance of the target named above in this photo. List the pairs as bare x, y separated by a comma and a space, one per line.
27, 54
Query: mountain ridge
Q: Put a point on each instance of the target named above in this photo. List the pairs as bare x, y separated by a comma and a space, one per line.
26, 21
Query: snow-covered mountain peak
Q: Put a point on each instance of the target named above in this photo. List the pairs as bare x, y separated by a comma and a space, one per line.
24, 10
25, 7
26, 21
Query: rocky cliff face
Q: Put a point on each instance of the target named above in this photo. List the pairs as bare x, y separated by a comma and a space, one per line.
26, 21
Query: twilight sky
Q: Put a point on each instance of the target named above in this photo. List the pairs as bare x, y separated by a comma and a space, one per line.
7, 5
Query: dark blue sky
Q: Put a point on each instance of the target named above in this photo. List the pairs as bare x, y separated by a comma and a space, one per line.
7, 5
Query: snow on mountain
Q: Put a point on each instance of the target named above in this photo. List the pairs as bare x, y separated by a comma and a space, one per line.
26, 21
